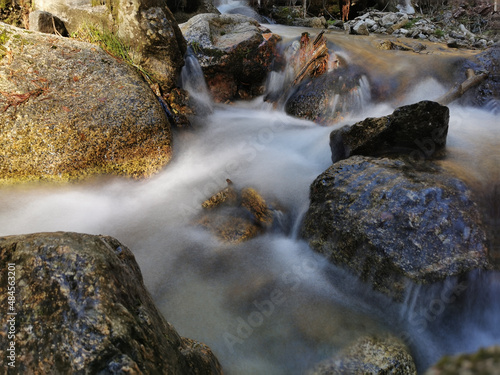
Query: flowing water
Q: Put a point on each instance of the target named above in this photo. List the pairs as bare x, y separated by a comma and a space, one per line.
271, 305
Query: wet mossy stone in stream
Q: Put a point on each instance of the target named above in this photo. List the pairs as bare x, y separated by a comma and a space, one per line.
418, 129
82, 308
486, 361
235, 215
69, 110
370, 355
387, 222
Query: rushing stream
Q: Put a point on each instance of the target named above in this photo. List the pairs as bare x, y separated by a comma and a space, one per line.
271, 305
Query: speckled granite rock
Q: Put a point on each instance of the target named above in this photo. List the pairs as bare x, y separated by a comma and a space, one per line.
82, 308
69, 110
484, 361
387, 221
370, 355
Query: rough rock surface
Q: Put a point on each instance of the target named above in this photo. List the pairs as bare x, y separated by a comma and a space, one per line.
235, 53
327, 98
370, 355
68, 110
235, 215
387, 222
81, 307
484, 361
147, 26
487, 93
419, 129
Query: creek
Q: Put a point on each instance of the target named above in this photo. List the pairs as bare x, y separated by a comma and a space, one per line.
271, 305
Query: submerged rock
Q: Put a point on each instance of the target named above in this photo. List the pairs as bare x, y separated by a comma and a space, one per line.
370, 355
81, 307
418, 129
235, 53
484, 361
387, 222
74, 111
236, 215
328, 98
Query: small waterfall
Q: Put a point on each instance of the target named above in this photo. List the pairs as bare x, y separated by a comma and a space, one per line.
193, 81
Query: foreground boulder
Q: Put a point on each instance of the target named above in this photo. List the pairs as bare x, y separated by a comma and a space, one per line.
418, 129
484, 361
68, 110
81, 307
370, 355
388, 222
234, 52
148, 27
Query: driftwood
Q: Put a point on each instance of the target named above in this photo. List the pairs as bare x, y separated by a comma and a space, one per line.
458, 90
313, 57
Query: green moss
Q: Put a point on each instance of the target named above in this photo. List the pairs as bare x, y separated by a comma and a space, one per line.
4, 38
439, 33
411, 23
109, 42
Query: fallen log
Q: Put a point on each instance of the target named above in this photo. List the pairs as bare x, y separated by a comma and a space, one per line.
458, 90
314, 57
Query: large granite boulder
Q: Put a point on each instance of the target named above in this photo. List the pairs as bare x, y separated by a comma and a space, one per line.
418, 129
81, 307
148, 27
388, 222
370, 355
234, 51
68, 110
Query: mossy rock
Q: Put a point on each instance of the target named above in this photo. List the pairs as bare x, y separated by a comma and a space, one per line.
68, 110
82, 308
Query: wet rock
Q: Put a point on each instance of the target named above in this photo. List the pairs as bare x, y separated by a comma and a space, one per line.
327, 98
235, 53
487, 93
360, 28
313, 22
370, 355
417, 129
484, 361
147, 26
45, 22
387, 221
236, 215
74, 112
401, 46
81, 307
